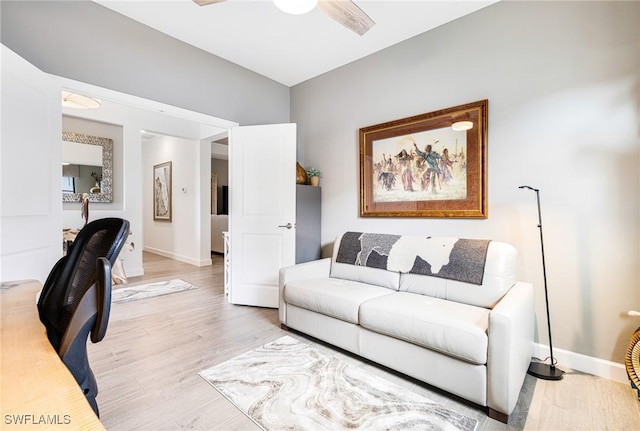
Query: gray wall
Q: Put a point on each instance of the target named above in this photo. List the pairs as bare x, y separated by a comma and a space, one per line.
562, 83
84, 41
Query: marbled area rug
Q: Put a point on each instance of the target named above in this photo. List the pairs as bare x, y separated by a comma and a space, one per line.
143, 291
289, 385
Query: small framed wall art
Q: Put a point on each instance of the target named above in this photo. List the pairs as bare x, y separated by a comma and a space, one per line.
162, 191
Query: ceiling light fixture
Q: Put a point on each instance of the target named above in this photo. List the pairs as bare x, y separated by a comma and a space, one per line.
296, 7
461, 126
78, 101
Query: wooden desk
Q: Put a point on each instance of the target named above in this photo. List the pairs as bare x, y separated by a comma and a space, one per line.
36, 388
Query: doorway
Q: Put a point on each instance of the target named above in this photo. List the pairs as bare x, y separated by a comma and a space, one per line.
219, 192
139, 118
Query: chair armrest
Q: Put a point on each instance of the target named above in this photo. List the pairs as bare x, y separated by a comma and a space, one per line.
302, 271
511, 326
103, 284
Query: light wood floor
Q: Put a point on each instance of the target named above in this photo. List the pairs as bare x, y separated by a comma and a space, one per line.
147, 366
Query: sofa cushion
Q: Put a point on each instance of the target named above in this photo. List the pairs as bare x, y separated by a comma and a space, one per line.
453, 328
332, 296
499, 276
364, 274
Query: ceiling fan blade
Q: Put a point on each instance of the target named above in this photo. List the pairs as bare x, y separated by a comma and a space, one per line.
348, 14
206, 2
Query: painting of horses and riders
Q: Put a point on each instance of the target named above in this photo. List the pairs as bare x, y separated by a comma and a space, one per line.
424, 166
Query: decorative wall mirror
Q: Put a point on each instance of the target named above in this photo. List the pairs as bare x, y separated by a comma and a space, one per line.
87, 167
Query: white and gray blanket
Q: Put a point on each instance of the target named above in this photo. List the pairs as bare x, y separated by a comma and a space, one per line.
451, 258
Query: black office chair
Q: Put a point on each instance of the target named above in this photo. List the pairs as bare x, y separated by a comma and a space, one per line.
76, 297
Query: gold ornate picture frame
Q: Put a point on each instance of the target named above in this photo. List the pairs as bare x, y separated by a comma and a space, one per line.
428, 165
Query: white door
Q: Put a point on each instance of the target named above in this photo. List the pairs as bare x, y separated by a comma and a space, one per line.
30, 170
262, 210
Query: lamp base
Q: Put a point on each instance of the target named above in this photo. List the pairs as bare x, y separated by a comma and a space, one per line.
545, 371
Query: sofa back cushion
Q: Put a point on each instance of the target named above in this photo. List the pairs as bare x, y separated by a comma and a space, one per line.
363, 274
445, 257
474, 272
499, 276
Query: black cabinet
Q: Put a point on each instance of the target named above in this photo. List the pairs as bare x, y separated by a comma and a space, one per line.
308, 211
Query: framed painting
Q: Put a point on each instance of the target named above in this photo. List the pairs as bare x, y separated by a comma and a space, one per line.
162, 191
428, 165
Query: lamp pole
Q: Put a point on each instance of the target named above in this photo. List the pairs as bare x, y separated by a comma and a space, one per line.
540, 369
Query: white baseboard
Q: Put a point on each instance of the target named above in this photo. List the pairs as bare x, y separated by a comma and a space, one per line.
185, 259
586, 364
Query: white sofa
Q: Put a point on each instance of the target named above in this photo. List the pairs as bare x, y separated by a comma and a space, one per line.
395, 300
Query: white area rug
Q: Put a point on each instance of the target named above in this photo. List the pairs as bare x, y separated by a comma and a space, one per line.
289, 385
143, 291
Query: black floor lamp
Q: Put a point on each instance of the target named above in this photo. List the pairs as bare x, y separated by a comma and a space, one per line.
540, 369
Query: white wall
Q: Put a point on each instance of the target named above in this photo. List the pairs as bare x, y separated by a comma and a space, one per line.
181, 238
562, 83
30, 167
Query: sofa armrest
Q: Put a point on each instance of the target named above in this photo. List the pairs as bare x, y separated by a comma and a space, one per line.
302, 271
511, 326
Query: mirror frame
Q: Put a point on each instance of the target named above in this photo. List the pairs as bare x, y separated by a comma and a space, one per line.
106, 185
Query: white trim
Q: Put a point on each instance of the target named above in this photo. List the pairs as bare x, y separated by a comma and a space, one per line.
586, 364
185, 259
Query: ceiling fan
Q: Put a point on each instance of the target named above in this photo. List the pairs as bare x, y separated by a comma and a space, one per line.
346, 12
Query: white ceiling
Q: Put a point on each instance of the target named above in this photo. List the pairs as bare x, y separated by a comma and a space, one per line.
289, 48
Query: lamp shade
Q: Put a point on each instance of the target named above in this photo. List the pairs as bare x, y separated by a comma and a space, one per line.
296, 7
460, 126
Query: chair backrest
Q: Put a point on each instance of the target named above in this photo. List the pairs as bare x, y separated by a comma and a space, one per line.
76, 298
91, 316
76, 272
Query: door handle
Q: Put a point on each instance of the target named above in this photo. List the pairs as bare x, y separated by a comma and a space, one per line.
288, 225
